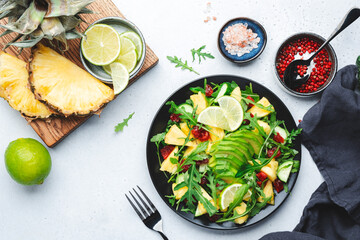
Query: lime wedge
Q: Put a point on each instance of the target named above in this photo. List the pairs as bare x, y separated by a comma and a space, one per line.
101, 46
120, 77
228, 194
214, 117
137, 41
233, 111
284, 170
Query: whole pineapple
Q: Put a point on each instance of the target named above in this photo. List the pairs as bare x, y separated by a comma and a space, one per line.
34, 20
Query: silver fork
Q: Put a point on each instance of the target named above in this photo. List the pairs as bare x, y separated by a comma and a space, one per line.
151, 216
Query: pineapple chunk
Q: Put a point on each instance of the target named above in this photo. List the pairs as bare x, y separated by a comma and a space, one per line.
189, 150
64, 86
240, 210
216, 134
269, 192
177, 137
259, 111
200, 210
236, 93
199, 100
167, 165
185, 129
270, 169
264, 125
179, 193
14, 88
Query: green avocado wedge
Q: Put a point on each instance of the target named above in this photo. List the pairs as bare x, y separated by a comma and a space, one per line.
238, 146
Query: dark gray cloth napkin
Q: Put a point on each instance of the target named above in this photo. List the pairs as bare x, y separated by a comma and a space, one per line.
331, 133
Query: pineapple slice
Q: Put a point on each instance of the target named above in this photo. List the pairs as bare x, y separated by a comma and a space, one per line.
200, 210
259, 111
236, 93
177, 137
179, 193
240, 210
167, 165
64, 86
199, 101
270, 169
14, 88
269, 192
264, 125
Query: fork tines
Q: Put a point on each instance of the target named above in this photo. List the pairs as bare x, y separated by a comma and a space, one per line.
149, 206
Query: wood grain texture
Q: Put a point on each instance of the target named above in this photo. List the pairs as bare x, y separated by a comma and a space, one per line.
55, 129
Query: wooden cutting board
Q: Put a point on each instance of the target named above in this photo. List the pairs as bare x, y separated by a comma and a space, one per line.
55, 129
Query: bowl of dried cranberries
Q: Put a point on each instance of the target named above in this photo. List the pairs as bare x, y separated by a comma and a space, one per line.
322, 69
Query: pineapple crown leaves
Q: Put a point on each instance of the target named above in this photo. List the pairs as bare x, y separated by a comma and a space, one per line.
35, 20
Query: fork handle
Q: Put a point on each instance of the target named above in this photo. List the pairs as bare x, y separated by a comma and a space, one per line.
163, 236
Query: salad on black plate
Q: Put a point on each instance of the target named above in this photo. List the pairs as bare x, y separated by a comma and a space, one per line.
225, 153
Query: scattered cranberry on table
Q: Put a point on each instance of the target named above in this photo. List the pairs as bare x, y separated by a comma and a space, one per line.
320, 71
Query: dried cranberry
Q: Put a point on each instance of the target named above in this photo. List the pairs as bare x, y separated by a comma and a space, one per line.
165, 151
185, 168
250, 104
271, 152
278, 138
200, 133
204, 181
213, 218
208, 90
278, 185
175, 117
205, 161
259, 183
261, 176
246, 122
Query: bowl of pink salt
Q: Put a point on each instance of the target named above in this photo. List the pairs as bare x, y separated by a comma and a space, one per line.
242, 40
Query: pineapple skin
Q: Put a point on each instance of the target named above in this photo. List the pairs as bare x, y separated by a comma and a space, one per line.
65, 87
15, 90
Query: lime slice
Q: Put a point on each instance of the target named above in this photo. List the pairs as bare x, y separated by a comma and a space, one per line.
214, 117
101, 46
120, 77
228, 194
233, 111
284, 171
127, 45
137, 41
129, 60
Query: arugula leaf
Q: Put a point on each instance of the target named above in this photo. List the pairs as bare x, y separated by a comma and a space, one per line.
179, 63
201, 54
158, 137
212, 185
286, 187
293, 134
249, 92
249, 168
173, 160
296, 166
184, 115
210, 208
197, 89
123, 124
172, 199
259, 206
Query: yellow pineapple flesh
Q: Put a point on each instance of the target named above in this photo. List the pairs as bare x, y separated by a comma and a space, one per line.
64, 86
14, 87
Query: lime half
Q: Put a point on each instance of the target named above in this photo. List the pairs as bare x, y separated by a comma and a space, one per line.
136, 40
101, 46
228, 194
214, 117
233, 111
120, 77
284, 171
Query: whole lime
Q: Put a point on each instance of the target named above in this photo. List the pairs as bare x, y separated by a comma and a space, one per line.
27, 161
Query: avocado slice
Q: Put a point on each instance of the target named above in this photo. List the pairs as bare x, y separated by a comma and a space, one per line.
242, 142
237, 146
230, 157
257, 136
252, 141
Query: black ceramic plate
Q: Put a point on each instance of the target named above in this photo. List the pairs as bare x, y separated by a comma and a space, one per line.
159, 124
